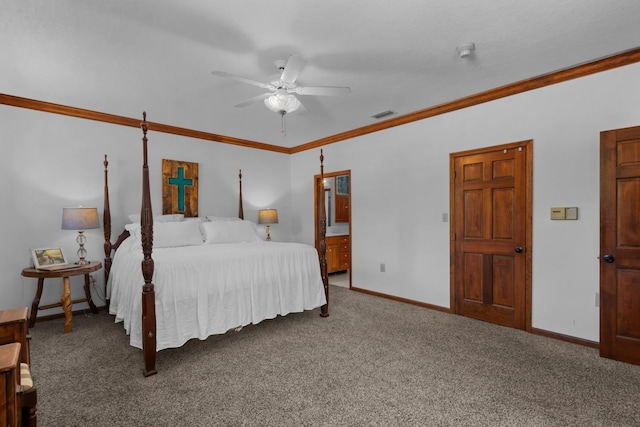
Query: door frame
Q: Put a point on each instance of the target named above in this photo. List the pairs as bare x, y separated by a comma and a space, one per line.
316, 224
528, 222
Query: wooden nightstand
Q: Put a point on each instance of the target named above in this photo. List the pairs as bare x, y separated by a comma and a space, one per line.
65, 301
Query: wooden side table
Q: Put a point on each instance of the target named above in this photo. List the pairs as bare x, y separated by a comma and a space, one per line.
65, 301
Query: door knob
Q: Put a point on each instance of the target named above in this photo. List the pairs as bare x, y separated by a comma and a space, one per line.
519, 249
608, 258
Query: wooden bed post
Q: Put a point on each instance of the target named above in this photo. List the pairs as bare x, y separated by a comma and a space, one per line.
324, 310
148, 293
240, 209
106, 221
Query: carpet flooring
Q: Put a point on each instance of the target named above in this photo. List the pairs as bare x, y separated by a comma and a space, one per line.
373, 362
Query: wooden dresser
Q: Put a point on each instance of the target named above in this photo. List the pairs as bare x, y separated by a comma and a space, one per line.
14, 328
18, 396
9, 383
338, 253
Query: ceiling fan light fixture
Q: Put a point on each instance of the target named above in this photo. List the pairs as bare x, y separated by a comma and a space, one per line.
282, 102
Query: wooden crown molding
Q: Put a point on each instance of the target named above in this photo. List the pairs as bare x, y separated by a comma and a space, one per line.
49, 107
619, 60
597, 66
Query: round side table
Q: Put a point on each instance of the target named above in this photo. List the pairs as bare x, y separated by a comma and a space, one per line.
65, 301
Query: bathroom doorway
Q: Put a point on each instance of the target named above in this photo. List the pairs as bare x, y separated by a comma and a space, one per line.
336, 189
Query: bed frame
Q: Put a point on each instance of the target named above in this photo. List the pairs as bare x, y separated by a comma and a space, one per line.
146, 224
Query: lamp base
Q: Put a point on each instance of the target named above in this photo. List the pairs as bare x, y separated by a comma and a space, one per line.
82, 252
268, 233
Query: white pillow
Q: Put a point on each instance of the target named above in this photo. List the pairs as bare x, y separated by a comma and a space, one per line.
223, 218
229, 232
133, 229
158, 218
176, 233
169, 234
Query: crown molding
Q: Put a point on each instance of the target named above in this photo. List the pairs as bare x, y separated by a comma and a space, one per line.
618, 60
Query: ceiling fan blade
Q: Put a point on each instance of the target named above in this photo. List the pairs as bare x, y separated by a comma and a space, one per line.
323, 90
292, 69
241, 79
253, 100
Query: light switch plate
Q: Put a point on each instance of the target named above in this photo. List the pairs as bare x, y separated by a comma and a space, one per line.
557, 213
571, 213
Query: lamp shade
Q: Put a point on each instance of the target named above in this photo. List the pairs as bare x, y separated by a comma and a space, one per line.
268, 216
79, 218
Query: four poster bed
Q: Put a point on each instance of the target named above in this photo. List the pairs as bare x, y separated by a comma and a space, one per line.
211, 276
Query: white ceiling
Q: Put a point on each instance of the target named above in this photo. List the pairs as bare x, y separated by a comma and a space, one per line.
125, 56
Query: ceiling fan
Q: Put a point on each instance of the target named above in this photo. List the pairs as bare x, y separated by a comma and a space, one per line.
283, 88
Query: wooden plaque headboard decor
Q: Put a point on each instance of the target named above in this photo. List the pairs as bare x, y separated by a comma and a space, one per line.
179, 188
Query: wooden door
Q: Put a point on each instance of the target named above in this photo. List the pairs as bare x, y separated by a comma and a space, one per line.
620, 245
491, 234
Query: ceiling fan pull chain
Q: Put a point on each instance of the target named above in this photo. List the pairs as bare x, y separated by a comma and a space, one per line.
283, 127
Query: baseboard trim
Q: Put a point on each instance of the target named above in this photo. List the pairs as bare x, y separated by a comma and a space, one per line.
535, 331
404, 300
567, 338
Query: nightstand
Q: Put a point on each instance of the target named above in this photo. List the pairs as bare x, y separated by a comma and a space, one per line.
65, 301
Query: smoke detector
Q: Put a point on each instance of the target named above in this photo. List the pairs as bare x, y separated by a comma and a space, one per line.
465, 49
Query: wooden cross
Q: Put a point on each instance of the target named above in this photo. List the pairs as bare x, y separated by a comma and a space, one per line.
181, 182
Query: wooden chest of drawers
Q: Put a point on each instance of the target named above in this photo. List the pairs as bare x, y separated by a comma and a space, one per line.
338, 253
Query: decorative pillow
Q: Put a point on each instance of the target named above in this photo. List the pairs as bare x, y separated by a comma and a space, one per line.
176, 233
229, 232
158, 218
223, 218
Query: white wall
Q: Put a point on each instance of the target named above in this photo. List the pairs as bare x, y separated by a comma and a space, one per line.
400, 189
399, 183
51, 161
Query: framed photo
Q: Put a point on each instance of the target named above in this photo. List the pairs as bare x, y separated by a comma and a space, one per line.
49, 259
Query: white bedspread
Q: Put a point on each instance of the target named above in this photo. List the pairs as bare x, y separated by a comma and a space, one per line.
209, 289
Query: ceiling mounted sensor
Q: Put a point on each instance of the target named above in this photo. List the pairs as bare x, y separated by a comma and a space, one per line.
283, 88
465, 49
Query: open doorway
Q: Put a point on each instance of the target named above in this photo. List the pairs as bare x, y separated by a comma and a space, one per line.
336, 190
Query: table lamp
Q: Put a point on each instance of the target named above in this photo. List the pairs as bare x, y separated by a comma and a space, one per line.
80, 219
268, 216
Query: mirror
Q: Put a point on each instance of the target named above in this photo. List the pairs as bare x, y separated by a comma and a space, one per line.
336, 193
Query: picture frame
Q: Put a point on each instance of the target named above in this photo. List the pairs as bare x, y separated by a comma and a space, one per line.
49, 259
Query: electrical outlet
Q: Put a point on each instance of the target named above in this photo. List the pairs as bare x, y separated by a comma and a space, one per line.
382, 268
597, 299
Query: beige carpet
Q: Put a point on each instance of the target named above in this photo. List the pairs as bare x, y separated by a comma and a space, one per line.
373, 362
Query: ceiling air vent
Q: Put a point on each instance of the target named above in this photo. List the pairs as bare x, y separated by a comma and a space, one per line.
382, 114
